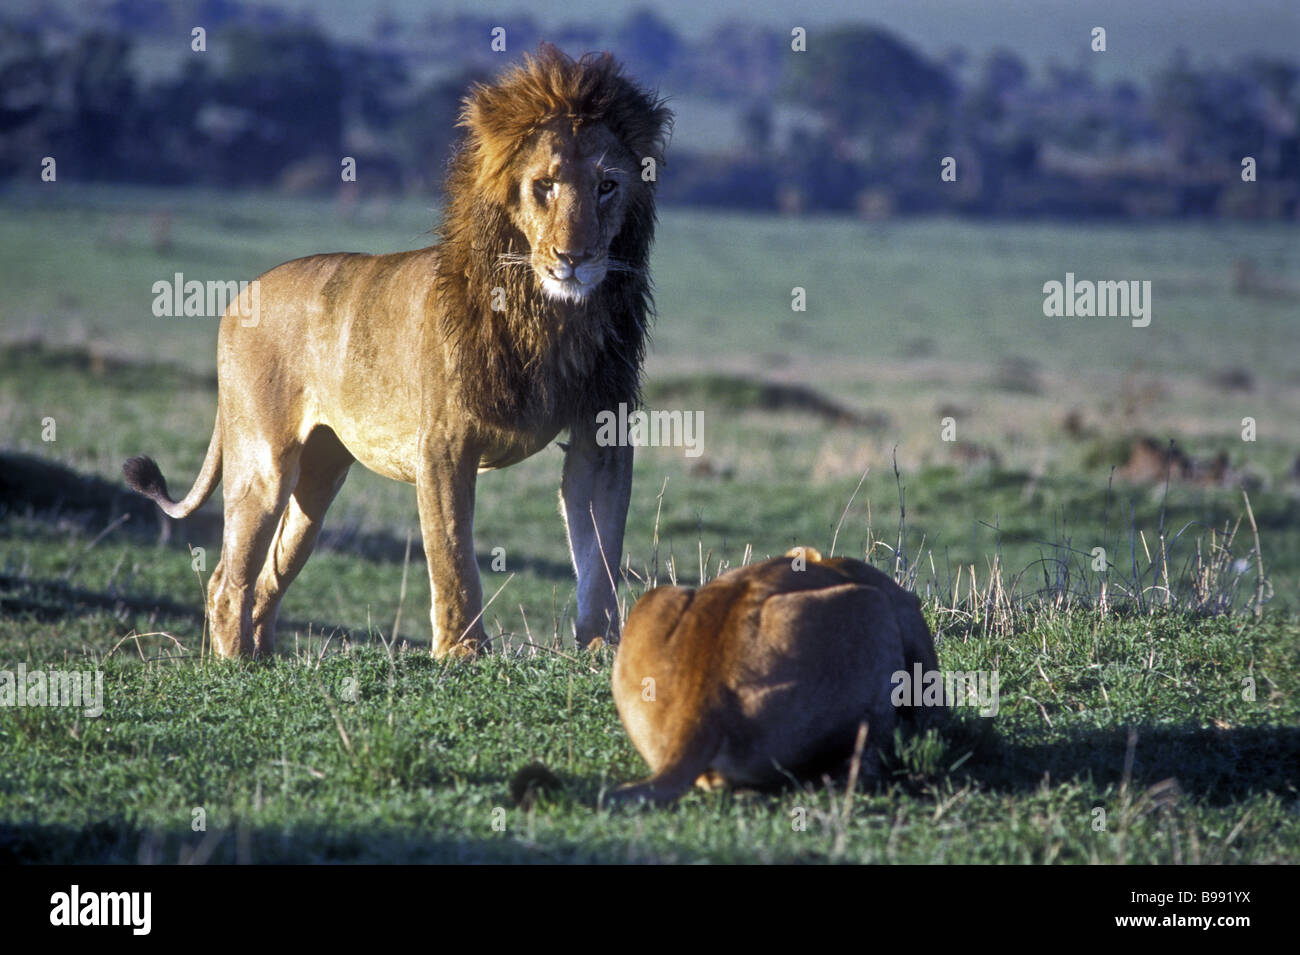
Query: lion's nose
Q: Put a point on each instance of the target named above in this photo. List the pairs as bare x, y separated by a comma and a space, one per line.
571, 257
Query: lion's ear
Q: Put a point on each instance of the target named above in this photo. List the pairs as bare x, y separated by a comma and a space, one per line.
663, 119
652, 127
641, 119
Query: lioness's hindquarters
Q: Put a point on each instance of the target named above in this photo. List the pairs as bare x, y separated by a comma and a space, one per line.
767, 670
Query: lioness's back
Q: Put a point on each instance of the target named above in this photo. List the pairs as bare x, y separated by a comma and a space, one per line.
765, 670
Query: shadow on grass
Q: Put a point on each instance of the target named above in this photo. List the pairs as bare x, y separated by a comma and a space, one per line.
1213, 767
1218, 767
50, 601
60, 496
118, 842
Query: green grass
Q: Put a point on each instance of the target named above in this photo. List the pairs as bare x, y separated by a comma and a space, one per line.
348, 754
908, 323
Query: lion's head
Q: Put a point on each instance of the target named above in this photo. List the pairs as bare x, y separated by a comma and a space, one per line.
573, 198
547, 234
561, 144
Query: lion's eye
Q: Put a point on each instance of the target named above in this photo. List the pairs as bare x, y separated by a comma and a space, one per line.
607, 186
544, 186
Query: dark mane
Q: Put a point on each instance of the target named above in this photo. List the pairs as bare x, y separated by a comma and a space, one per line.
538, 360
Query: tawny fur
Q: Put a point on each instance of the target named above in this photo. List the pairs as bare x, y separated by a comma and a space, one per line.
765, 672
429, 366
518, 362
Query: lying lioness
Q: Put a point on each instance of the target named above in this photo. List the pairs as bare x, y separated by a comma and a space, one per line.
766, 671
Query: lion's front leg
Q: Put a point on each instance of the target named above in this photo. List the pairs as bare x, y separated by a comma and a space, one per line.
445, 487
594, 498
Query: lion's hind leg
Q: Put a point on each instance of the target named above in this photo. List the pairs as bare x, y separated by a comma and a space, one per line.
322, 469
255, 498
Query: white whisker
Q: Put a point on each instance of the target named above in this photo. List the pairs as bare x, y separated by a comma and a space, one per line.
507, 259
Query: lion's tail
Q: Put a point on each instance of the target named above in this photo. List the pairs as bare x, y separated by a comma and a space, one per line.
676, 776
142, 475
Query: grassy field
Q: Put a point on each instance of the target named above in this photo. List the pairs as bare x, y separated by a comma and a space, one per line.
353, 745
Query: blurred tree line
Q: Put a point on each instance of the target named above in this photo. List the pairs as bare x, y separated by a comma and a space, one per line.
860, 123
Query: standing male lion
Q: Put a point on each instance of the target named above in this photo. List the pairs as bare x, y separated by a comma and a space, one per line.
525, 320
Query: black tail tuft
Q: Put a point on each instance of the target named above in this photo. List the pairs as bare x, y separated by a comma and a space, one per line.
142, 475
